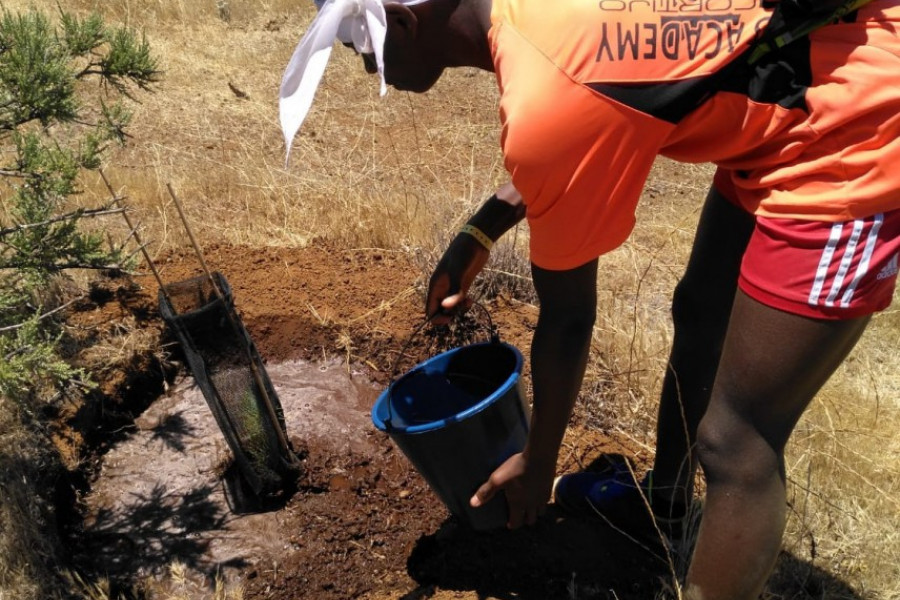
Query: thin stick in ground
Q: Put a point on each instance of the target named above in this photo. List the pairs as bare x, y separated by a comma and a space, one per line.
117, 201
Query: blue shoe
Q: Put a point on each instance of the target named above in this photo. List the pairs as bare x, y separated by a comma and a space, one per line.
595, 493
614, 496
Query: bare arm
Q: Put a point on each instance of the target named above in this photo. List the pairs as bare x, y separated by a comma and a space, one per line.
559, 353
465, 257
500, 213
558, 356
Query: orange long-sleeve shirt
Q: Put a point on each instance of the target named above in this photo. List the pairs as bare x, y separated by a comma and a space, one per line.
592, 91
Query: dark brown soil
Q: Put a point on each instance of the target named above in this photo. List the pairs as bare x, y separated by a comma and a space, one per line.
365, 524
362, 523
377, 530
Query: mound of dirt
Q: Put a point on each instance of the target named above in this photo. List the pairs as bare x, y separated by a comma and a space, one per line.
362, 522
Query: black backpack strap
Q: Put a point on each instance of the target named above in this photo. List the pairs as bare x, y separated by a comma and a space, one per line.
794, 19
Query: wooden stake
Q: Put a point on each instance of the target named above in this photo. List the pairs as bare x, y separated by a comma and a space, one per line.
137, 237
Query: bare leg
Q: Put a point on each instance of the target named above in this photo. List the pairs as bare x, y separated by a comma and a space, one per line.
772, 365
700, 310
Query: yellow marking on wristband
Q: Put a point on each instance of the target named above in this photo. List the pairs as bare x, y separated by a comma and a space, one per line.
479, 235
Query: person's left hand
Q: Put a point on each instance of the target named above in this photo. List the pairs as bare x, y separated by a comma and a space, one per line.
454, 274
527, 487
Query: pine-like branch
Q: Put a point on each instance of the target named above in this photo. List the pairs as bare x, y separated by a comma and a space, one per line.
77, 214
46, 315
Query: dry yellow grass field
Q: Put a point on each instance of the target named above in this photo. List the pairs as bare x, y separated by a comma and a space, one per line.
403, 171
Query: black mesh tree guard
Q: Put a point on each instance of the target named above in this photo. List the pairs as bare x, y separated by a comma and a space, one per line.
230, 373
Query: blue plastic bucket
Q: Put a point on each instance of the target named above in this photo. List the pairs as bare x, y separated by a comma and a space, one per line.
457, 417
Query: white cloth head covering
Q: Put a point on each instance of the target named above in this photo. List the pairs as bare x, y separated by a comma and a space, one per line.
359, 22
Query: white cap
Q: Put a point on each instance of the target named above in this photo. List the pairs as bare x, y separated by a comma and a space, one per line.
359, 22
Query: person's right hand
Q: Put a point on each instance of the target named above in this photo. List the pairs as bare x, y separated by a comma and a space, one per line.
527, 485
449, 285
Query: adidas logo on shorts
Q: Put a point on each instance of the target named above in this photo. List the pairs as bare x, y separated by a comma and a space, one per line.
889, 270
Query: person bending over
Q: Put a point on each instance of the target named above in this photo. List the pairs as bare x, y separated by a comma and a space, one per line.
795, 249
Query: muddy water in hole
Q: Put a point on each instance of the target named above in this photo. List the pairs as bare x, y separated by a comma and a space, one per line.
159, 498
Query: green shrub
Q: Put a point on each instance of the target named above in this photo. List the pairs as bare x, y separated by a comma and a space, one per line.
53, 127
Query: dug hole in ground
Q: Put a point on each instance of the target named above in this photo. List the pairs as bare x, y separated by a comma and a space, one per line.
362, 523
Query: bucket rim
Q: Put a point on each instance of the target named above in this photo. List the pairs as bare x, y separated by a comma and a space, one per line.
473, 410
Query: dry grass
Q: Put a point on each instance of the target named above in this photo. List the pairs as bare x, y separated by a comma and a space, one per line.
178, 586
365, 170
844, 466
399, 173
27, 541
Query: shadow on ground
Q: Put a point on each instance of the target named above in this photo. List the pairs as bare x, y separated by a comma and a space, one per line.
161, 527
558, 557
798, 579
567, 558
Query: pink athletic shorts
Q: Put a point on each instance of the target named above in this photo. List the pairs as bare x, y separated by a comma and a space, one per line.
823, 270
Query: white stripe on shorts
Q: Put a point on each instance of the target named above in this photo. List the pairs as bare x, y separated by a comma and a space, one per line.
849, 251
822, 271
846, 260
863, 267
